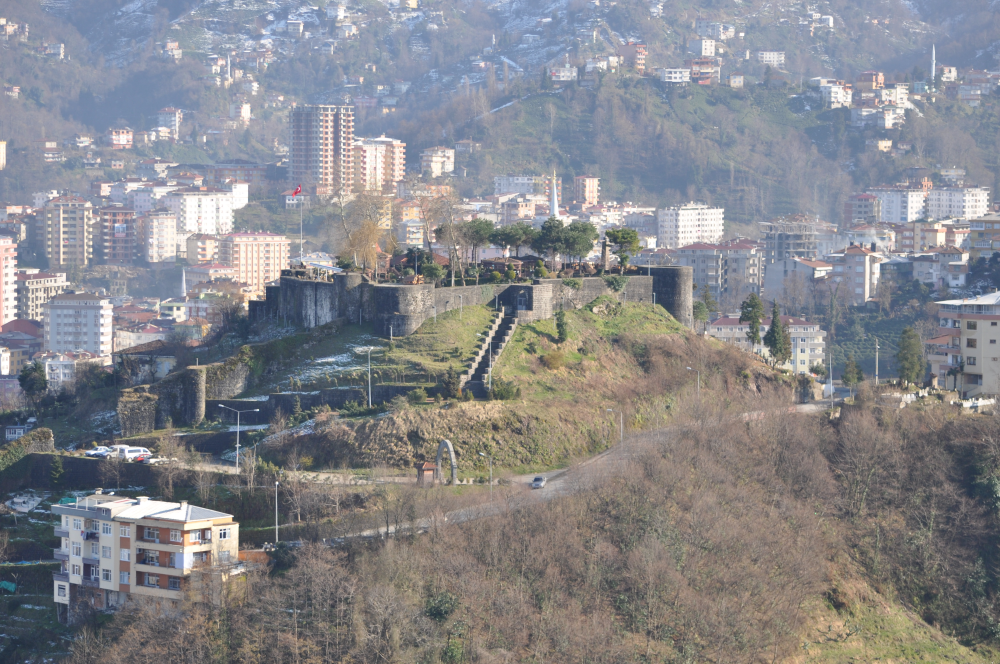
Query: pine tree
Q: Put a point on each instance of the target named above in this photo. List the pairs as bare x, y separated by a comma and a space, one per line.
751, 312
56, 471
777, 341
852, 376
562, 329
297, 406
910, 356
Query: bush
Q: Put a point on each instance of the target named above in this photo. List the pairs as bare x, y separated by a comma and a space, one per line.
495, 277
451, 384
504, 390
562, 329
440, 606
616, 283
511, 275
416, 396
554, 360
467, 395
541, 273
575, 284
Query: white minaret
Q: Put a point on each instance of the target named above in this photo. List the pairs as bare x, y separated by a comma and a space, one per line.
554, 205
933, 67
184, 290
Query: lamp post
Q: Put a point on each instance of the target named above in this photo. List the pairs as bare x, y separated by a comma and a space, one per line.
255, 410
622, 424
362, 350
490, 459
699, 380
461, 306
276, 512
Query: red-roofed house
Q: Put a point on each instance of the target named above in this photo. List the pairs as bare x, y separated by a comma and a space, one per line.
808, 340
856, 267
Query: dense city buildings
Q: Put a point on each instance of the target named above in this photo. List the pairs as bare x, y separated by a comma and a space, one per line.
78, 321
321, 146
687, 224
201, 210
35, 288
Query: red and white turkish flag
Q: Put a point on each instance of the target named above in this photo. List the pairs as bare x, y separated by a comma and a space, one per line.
298, 190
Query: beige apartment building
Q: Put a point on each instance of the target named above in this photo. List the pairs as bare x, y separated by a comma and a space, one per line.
379, 163
113, 549
257, 258
808, 339
968, 345
69, 231
35, 288
202, 248
157, 231
857, 268
78, 321
586, 190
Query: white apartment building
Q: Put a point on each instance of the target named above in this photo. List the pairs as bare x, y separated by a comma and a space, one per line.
687, 224
35, 288
958, 202
772, 58
171, 119
518, 184
900, 205
8, 279
78, 321
120, 190
113, 548
68, 231
61, 368
702, 48
858, 269
808, 339
379, 163
679, 76
968, 341
836, 95
201, 210
437, 161
149, 196
157, 233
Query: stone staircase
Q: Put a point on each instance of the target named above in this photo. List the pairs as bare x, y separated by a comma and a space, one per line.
497, 338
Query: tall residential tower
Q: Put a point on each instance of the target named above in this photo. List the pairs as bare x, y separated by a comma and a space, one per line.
322, 141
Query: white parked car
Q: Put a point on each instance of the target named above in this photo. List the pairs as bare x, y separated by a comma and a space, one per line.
538, 482
98, 452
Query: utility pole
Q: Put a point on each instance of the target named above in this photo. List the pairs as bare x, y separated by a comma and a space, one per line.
275, 513
238, 412
876, 360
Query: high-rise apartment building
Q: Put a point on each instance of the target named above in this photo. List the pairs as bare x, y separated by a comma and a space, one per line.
118, 238
379, 163
586, 190
971, 330
113, 548
171, 119
3, 155
437, 161
958, 202
35, 288
78, 321
862, 209
686, 224
202, 248
201, 209
257, 257
69, 231
901, 204
157, 231
321, 145
8, 279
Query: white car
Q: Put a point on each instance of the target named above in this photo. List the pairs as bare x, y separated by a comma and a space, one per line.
131, 453
538, 482
98, 452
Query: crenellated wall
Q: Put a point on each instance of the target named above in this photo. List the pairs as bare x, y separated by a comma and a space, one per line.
399, 310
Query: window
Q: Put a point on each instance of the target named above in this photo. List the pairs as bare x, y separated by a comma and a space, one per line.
174, 584
123, 577
76, 549
175, 536
126, 554
93, 549
207, 535
106, 528
75, 569
993, 324
124, 531
77, 524
200, 556
195, 535
105, 575
105, 552
61, 590
971, 361
223, 533
970, 343
970, 324
153, 580
152, 533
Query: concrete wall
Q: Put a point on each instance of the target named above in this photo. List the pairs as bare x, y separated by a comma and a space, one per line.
333, 397
400, 310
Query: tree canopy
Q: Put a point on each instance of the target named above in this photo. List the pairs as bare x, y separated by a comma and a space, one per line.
751, 313
627, 242
910, 356
777, 339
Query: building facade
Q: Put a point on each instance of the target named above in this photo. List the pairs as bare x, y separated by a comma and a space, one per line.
900, 204
78, 321
202, 248
114, 548
808, 339
958, 202
8, 279
157, 231
379, 163
688, 224
586, 190
435, 162
858, 269
69, 231
257, 258
35, 288
321, 146
969, 352
201, 210
118, 237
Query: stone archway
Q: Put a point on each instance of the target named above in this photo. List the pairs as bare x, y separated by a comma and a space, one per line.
454, 465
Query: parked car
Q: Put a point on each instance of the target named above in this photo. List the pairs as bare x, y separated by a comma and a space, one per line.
155, 460
98, 452
538, 482
133, 453
142, 458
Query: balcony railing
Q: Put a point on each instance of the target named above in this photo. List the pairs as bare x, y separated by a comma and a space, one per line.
58, 576
60, 554
91, 582
61, 532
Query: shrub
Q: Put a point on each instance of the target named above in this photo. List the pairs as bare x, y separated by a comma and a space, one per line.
467, 395
511, 275
441, 605
451, 384
541, 273
615, 282
562, 329
554, 360
418, 395
408, 272
495, 276
504, 390
575, 284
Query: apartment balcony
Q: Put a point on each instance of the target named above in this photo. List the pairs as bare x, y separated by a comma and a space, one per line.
59, 576
61, 532
91, 561
60, 554
91, 583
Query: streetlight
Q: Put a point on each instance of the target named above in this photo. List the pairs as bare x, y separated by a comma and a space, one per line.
255, 410
461, 306
490, 459
361, 350
622, 430
275, 513
699, 380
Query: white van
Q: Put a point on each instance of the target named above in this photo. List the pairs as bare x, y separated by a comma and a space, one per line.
131, 453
